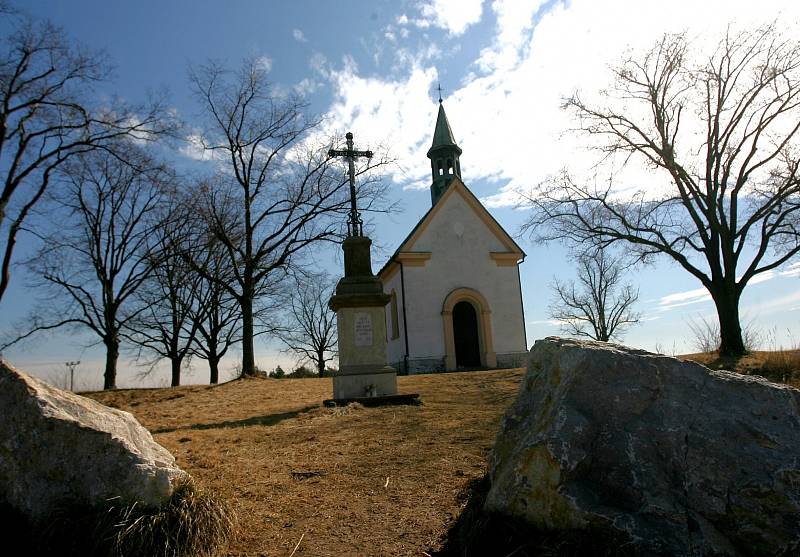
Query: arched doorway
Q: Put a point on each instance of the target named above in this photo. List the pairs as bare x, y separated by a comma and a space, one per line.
465, 335
472, 326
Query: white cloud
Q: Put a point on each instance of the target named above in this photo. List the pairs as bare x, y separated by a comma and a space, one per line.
679, 299
306, 86
514, 23
761, 277
142, 136
299, 36
407, 58
319, 63
453, 15
782, 304
544, 322
506, 114
700, 295
398, 114
264, 63
194, 148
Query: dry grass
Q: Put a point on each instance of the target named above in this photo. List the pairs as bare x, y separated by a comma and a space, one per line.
312, 481
192, 523
781, 366
339, 481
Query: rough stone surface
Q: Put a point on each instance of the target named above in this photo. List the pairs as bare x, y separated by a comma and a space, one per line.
682, 459
58, 449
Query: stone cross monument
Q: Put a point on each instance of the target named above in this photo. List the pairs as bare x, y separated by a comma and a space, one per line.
359, 304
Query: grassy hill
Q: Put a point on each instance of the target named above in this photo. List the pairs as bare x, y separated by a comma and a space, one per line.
341, 481
308, 480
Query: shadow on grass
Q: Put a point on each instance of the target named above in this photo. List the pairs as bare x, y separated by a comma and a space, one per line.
268, 420
477, 533
190, 523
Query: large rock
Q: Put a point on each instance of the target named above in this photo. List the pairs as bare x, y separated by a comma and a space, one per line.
680, 459
59, 449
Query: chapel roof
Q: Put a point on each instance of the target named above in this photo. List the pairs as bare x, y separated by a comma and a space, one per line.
457, 186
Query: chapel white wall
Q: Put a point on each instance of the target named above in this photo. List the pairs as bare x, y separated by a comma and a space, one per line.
395, 348
460, 244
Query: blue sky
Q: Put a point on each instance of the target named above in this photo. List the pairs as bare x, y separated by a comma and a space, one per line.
373, 68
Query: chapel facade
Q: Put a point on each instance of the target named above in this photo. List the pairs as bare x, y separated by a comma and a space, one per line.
454, 285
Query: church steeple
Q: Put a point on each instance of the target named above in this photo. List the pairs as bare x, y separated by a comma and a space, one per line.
444, 154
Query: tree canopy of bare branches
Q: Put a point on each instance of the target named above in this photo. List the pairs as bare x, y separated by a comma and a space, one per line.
215, 313
165, 324
599, 306
276, 194
310, 331
98, 258
48, 116
721, 127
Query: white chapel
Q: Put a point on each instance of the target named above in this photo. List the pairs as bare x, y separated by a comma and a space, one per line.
454, 286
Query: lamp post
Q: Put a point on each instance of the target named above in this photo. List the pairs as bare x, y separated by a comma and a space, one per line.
71, 367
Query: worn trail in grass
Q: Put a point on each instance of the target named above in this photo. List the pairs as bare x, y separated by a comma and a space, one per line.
348, 481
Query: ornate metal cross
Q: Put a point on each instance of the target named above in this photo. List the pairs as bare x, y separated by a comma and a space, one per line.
354, 222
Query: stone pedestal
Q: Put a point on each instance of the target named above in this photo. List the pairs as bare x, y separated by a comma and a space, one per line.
362, 354
360, 303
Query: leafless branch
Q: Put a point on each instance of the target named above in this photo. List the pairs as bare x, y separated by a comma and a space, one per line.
277, 193
724, 130
598, 306
48, 116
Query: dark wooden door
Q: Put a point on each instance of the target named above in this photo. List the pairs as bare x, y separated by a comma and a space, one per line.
465, 335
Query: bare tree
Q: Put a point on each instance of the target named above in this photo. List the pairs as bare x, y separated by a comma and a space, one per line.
282, 194
310, 331
723, 130
47, 117
97, 257
217, 315
599, 306
164, 325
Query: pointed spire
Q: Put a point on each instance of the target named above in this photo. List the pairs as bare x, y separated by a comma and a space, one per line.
442, 133
444, 154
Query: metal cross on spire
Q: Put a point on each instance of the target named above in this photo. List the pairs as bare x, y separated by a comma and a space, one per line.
354, 222
439, 86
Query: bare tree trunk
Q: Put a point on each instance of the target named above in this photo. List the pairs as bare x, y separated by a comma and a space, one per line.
248, 355
213, 365
730, 330
176, 372
112, 355
320, 362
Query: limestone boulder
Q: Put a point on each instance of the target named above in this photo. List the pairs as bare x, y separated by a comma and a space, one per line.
59, 449
679, 459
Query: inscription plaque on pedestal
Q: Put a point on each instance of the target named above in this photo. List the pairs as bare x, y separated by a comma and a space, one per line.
363, 329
